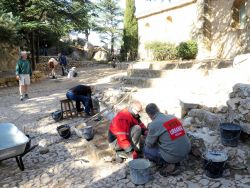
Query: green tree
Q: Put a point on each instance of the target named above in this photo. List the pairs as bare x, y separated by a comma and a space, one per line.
9, 26
108, 21
45, 17
130, 32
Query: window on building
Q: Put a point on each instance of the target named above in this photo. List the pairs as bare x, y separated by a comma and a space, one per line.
239, 14
169, 19
147, 25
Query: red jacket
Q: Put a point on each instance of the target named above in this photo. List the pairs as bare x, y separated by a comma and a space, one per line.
120, 126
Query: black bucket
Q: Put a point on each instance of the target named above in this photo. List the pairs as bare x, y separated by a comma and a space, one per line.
230, 134
214, 164
64, 131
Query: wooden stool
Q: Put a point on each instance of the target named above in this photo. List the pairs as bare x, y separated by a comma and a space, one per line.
67, 107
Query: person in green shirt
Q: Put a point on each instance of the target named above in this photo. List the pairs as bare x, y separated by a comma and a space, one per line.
23, 74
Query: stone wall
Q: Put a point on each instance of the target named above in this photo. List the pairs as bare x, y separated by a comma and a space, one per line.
227, 39
8, 57
9, 80
237, 111
43, 64
239, 106
210, 22
169, 26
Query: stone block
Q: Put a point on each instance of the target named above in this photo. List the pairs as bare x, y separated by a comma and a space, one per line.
245, 127
233, 103
147, 73
210, 119
186, 107
242, 90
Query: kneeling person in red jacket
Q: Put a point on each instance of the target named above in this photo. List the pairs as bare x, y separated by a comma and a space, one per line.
125, 130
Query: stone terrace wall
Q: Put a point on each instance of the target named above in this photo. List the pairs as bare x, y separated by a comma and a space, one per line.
9, 57
43, 63
239, 106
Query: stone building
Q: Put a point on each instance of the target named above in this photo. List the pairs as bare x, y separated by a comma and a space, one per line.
221, 27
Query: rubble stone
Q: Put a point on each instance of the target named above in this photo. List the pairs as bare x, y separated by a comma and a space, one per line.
210, 119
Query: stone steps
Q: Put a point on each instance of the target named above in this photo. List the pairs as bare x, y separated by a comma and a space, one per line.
178, 76
9, 80
147, 73
205, 64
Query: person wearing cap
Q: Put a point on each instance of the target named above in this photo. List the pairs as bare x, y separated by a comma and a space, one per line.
166, 143
126, 129
52, 63
82, 94
23, 74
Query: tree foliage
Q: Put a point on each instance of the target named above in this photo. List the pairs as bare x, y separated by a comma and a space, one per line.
108, 21
130, 32
9, 26
44, 17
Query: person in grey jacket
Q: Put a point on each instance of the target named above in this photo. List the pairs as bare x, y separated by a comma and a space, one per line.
166, 143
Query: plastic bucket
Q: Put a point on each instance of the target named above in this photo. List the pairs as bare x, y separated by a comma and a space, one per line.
64, 131
230, 134
88, 133
140, 171
214, 163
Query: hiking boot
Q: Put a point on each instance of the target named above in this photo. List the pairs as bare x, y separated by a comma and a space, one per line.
170, 170
26, 96
118, 159
21, 98
124, 155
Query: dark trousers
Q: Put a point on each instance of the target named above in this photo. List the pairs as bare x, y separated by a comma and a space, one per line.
64, 70
153, 154
86, 101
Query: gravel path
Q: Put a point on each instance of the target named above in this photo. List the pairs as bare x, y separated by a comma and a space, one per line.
68, 163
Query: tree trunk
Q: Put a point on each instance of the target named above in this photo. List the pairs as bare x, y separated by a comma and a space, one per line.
37, 47
87, 32
33, 51
112, 43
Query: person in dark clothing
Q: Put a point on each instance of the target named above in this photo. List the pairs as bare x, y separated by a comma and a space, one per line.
82, 93
63, 62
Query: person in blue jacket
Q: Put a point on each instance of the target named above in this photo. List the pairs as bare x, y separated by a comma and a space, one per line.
63, 62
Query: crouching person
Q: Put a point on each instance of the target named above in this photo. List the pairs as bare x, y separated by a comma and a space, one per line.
82, 94
125, 131
52, 63
166, 143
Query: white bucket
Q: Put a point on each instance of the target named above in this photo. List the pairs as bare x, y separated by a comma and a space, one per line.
140, 171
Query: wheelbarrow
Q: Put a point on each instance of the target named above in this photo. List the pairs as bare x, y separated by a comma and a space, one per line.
14, 143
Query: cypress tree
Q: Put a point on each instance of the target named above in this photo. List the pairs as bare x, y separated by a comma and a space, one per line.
130, 32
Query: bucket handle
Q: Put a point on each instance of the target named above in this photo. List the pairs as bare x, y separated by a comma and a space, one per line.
233, 137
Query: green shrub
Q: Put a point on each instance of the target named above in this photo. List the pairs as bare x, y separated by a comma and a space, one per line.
188, 50
162, 51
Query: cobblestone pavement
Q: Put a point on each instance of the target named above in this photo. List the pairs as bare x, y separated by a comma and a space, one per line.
69, 162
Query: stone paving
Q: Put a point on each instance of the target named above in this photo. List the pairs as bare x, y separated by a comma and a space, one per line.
69, 163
